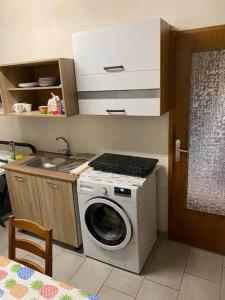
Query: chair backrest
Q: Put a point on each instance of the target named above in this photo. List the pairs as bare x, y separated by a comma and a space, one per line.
30, 246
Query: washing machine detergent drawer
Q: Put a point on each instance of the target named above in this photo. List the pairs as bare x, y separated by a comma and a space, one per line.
86, 188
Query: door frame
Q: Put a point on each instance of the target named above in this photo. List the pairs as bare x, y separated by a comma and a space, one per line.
171, 153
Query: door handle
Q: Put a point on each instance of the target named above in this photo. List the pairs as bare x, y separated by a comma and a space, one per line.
178, 150
19, 178
116, 111
52, 184
114, 68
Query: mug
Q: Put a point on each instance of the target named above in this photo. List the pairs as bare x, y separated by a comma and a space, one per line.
27, 107
18, 107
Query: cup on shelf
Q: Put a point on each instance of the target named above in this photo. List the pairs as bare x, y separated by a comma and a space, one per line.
22, 107
27, 107
18, 107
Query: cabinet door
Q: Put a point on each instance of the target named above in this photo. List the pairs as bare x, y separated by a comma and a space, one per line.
135, 46
23, 196
126, 107
121, 58
57, 209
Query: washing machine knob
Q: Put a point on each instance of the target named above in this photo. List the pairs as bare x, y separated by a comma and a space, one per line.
104, 190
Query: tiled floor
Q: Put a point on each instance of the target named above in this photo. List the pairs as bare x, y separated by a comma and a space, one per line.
173, 271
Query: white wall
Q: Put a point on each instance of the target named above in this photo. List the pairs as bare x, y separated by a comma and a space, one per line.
31, 29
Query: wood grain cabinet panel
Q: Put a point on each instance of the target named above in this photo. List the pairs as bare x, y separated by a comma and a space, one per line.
24, 197
57, 209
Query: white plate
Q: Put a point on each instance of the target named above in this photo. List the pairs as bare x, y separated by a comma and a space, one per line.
27, 84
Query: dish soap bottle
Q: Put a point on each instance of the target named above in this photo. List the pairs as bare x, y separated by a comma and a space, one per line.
12, 150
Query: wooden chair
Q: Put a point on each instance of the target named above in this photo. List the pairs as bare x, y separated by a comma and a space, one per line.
31, 246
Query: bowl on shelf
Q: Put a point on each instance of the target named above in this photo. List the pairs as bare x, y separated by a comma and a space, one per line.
47, 81
43, 109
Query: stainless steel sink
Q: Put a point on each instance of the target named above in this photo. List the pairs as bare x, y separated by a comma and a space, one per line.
55, 163
68, 166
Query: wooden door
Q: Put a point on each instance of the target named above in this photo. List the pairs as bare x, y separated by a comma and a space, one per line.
23, 196
197, 179
58, 210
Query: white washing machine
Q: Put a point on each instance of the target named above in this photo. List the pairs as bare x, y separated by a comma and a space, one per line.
118, 217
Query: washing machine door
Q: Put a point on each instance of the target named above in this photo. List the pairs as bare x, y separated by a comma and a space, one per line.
107, 224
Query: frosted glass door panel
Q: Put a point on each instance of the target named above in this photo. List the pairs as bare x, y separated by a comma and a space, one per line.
206, 164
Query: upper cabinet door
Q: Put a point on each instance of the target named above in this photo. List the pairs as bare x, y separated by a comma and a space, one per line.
134, 46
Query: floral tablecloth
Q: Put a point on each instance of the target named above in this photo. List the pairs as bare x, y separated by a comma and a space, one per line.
20, 282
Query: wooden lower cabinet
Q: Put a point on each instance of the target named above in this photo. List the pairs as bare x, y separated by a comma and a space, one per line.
47, 202
57, 209
23, 195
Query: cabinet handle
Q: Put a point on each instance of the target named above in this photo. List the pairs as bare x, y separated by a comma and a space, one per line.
19, 178
53, 185
111, 111
114, 68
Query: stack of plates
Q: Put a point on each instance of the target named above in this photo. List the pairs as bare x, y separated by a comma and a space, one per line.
27, 84
47, 81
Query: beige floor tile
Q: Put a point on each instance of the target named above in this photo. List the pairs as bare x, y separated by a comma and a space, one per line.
205, 264
108, 294
27, 236
125, 282
150, 258
35, 259
79, 252
168, 264
90, 276
21, 253
3, 239
4, 251
154, 291
4, 245
65, 265
222, 295
56, 250
195, 288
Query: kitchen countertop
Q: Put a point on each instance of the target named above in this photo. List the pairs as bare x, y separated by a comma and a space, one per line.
18, 167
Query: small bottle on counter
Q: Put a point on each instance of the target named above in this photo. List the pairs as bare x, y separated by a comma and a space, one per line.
12, 150
59, 105
52, 105
62, 107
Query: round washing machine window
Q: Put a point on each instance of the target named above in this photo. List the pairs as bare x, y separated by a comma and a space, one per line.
107, 224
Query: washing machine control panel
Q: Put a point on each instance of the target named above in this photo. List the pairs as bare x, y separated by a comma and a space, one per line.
120, 191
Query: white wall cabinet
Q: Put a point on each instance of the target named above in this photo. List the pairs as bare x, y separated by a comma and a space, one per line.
130, 57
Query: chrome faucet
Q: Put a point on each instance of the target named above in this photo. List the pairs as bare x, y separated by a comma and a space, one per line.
67, 151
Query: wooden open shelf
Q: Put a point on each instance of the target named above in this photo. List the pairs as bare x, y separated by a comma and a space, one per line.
35, 113
1, 107
36, 88
13, 74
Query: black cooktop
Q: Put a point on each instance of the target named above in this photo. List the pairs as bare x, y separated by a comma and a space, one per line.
124, 164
